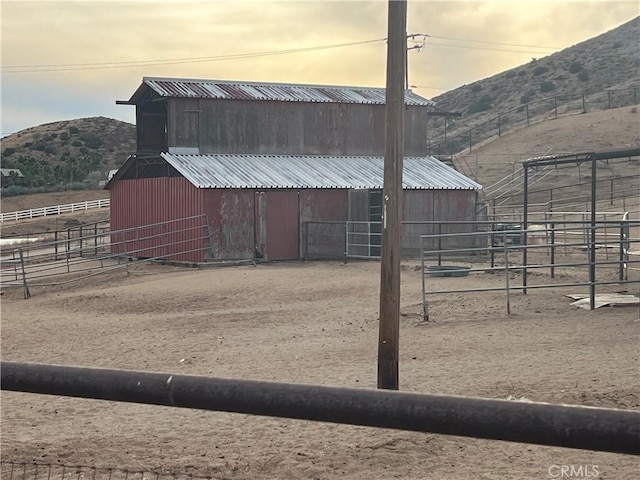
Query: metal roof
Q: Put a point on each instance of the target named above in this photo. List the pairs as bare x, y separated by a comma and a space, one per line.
280, 92
291, 171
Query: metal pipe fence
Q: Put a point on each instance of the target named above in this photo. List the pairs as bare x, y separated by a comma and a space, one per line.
589, 428
56, 471
503, 244
75, 258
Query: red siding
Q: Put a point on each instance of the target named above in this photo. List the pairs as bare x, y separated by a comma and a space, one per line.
137, 203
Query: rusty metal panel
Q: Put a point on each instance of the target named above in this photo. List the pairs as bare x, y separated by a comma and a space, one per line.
282, 225
282, 92
324, 205
237, 224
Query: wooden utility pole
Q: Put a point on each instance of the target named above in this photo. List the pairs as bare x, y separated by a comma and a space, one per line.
392, 198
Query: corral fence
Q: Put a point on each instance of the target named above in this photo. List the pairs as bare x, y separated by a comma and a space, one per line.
54, 210
56, 471
362, 240
463, 137
568, 245
93, 252
589, 428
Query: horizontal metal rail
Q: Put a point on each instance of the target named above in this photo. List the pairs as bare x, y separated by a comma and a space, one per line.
588, 428
54, 210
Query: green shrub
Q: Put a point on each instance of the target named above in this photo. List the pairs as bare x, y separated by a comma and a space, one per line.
522, 73
9, 151
73, 130
540, 70
575, 67
76, 143
50, 149
91, 140
480, 105
84, 150
547, 87
511, 74
617, 44
583, 75
476, 87
64, 136
39, 146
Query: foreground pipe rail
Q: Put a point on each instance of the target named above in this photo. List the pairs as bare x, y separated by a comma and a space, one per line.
588, 428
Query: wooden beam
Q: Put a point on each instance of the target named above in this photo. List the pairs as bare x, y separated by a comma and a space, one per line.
389, 331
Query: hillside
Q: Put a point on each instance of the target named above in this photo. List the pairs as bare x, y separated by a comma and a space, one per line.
610, 61
68, 151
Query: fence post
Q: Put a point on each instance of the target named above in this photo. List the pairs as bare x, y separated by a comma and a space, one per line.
346, 241
55, 245
15, 265
609, 96
305, 226
506, 271
635, 96
553, 250
555, 106
126, 256
470, 144
95, 239
611, 191
27, 293
584, 104
68, 244
81, 240
527, 110
439, 244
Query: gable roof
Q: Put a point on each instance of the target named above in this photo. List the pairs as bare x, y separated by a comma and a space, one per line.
280, 92
293, 171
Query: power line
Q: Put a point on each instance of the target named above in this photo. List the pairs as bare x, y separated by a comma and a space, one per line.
173, 61
495, 43
146, 63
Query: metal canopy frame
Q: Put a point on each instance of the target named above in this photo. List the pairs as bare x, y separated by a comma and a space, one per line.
577, 159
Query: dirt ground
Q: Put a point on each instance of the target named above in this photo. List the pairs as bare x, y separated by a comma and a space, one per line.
309, 323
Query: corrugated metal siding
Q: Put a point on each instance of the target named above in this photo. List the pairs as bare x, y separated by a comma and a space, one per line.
281, 92
274, 171
277, 128
137, 203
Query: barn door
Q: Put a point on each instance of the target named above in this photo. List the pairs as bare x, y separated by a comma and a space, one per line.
277, 225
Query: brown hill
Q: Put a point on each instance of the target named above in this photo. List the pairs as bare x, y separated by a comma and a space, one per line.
105, 142
608, 62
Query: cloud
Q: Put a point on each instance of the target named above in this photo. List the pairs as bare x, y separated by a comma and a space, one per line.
92, 32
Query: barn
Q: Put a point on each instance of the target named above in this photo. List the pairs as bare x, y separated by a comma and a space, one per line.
257, 206
251, 164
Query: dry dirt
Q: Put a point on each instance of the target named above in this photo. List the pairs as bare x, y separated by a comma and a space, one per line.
308, 323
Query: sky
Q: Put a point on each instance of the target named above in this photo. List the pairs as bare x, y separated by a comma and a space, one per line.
71, 59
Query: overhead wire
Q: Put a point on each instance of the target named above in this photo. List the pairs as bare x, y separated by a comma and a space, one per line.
174, 61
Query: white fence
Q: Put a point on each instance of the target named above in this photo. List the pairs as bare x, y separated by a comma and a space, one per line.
53, 210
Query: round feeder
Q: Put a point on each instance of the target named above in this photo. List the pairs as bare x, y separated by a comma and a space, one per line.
448, 271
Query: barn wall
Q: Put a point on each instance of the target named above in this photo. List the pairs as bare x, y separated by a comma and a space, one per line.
230, 213
324, 240
281, 128
443, 205
136, 204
